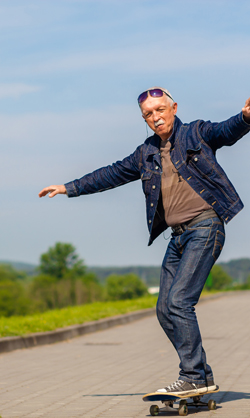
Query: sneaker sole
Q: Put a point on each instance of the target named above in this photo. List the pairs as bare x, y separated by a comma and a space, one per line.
212, 388
192, 393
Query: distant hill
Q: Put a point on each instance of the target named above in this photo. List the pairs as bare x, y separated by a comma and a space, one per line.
149, 274
30, 269
238, 269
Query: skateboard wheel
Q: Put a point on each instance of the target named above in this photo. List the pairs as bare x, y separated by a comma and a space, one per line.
211, 404
183, 410
154, 410
183, 402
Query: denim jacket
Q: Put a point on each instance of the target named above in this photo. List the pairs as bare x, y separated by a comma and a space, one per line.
193, 148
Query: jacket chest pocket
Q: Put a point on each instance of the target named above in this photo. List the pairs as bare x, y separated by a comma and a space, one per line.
200, 162
146, 178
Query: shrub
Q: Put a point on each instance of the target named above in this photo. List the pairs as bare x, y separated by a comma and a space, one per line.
218, 279
128, 286
12, 299
47, 292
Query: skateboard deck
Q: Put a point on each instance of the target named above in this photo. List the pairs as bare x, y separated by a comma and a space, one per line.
169, 400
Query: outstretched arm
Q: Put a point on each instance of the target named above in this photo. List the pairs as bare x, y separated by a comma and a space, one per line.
53, 190
227, 132
104, 178
246, 111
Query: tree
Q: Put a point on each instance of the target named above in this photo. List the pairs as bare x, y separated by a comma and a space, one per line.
209, 282
43, 293
47, 292
61, 260
7, 272
128, 286
248, 282
220, 279
244, 286
13, 300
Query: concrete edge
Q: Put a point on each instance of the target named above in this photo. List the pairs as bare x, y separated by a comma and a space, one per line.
8, 344
40, 338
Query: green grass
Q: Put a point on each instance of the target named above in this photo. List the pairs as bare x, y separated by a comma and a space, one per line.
59, 318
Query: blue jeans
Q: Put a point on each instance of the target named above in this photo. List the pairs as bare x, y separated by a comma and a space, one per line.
185, 268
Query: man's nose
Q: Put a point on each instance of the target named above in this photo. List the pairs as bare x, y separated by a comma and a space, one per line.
156, 116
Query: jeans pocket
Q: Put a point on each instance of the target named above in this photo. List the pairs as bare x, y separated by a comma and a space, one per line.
218, 244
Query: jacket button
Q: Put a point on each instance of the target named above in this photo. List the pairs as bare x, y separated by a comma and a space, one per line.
156, 167
153, 187
152, 205
149, 221
195, 159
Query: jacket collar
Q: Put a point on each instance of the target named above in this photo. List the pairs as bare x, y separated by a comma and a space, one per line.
154, 141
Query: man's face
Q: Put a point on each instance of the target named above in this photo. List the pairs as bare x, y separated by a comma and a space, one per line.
159, 115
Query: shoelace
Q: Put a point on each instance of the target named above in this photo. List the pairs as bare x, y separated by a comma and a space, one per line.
175, 385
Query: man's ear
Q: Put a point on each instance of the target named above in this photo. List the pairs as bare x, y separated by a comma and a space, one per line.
174, 106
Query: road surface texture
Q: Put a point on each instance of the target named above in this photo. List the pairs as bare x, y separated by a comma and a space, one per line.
105, 374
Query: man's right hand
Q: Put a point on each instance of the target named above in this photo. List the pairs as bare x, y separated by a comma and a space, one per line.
53, 190
246, 111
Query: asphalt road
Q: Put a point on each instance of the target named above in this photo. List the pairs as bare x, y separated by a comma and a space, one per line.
106, 373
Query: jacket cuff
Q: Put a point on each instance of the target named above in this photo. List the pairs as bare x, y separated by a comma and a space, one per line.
247, 123
71, 189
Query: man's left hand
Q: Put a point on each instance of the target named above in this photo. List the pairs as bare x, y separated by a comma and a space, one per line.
246, 111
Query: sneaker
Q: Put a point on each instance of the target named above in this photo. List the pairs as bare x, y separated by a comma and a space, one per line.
184, 388
211, 386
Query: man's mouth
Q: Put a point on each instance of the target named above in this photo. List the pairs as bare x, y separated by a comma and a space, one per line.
158, 123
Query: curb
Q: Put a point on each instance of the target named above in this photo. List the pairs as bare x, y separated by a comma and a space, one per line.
8, 344
41, 338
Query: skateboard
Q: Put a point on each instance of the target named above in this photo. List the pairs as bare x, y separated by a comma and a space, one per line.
169, 400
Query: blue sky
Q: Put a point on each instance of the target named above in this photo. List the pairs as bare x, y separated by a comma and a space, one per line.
70, 73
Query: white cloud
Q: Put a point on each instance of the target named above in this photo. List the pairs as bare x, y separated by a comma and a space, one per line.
16, 90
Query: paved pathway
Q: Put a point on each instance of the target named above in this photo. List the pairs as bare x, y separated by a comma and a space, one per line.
68, 379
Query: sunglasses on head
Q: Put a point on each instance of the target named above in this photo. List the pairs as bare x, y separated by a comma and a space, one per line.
153, 93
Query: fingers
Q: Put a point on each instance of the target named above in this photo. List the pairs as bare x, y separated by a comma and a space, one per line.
247, 102
246, 111
44, 191
246, 108
53, 190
